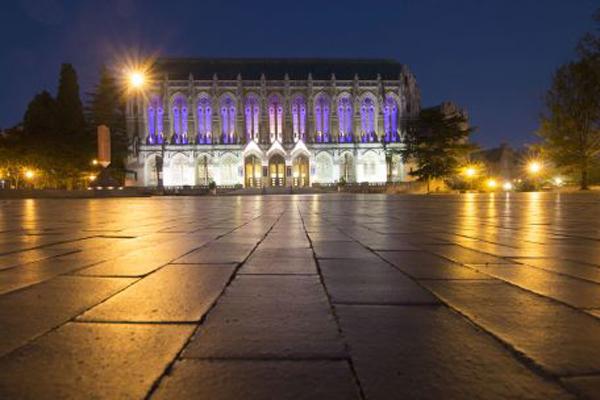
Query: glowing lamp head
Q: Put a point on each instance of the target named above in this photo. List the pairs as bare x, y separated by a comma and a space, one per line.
29, 174
507, 186
558, 181
137, 79
491, 184
534, 167
470, 172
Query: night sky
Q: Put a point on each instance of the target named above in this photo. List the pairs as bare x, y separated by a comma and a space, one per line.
495, 58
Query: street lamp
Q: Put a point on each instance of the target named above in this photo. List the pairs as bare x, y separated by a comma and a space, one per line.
534, 167
136, 79
470, 172
507, 186
491, 184
29, 174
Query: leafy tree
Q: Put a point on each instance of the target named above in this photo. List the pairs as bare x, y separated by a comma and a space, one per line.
73, 141
71, 121
570, 126
437, 142
107, 107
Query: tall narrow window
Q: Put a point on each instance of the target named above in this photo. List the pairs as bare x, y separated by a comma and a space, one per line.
345, 119
299, 118
322, 118
180, 120
390, 120
252, 113
275, 119
155, 120
204, 118
367, 118
227, 120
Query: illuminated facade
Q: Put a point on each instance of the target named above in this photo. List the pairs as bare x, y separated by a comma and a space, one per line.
271, 122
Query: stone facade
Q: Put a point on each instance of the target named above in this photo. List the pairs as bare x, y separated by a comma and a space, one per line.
270, 122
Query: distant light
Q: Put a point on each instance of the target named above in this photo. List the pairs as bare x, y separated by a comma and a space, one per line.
137, 79
29, 174
491, 183
94, 162
534, 167
92, 177
470, 172
558, 181
507, 186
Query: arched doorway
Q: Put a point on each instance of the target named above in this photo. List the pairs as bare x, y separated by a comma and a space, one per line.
277, 170
300, 171
253, 171
347, 168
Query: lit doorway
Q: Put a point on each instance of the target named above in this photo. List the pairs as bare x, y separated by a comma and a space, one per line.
277, 170
300, 171
253, 170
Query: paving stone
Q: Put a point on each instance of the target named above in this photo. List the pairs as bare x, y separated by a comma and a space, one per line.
566, 267
30, 312
575, 292
280, 261
23, 257
142, 262
340, 249
283, 316
558, 338
100, 361
175, 293
432, 353
366, 282
218, 253
259, 380
586, 386
463, 255
35, 272
422, 265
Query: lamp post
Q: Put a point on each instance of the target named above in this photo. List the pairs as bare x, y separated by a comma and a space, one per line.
470, 172
534, 168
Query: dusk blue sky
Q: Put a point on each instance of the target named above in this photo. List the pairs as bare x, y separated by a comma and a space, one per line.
494, 57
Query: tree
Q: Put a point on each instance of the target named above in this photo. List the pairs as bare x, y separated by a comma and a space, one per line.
570, 126
74, 142
107, 107
71, 121
437, 142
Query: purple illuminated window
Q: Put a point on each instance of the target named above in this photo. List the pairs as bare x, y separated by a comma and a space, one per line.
390, 120
180, 120
204, 117
275, 118
367, 120
155, 120
322, 118
345, 119
252, 113
228, 120
299, 118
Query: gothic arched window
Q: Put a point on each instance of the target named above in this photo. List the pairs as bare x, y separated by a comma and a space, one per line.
252, 113
322, 118
204, 118
345, 119
155, 120
299, 118
228, 120
390, 120
275, 118
180, 120
367, 118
